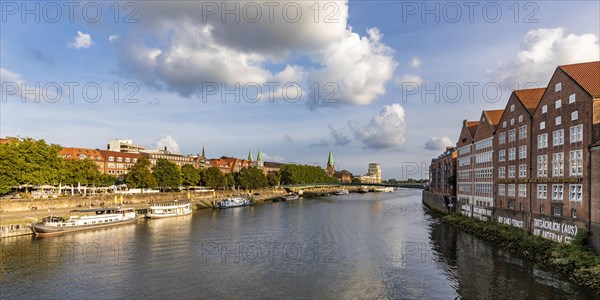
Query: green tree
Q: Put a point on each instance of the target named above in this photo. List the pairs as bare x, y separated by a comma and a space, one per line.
214, 178
273, 179
299, 174
251, 178
84, 172
29, 161
167, 174
230, 180
139, 175
106, 180
356, 180
189, 175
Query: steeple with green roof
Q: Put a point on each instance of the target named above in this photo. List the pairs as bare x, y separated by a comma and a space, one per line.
330, 160
259, 156
250, 155
330, 167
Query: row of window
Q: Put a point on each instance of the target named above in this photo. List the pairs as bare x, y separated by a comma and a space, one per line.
512, 171
512, 153
575, 191
558, 137
120, 159
575, 164
512, 135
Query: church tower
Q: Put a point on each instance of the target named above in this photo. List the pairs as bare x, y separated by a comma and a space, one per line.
330, 167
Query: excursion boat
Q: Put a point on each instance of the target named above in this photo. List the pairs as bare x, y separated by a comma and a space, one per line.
341, 192
388, 189
290, 197
234, 202
169, 209
91, 219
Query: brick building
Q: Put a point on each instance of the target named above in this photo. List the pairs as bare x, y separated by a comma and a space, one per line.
565, 125
512, 145
442, 168
464, 168
117, 163
84, 153
230, 164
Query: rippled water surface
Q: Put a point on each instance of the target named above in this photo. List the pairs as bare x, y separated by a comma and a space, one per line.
355, 246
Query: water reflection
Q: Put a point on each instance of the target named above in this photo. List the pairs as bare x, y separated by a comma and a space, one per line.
358, 246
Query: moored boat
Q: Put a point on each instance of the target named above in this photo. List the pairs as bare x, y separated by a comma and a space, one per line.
234, 202
101, 217
169, 209
290, 197
387, 189
341, 192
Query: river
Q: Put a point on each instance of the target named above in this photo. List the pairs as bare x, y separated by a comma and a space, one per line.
383, 245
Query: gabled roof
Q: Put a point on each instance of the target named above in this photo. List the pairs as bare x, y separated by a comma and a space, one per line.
472, 127
530, 98
494, 116
587, 75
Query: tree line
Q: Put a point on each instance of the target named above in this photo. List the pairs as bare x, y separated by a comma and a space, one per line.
34, 162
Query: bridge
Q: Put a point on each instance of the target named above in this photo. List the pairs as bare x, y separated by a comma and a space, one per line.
340, 184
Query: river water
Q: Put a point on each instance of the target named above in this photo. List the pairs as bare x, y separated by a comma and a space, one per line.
384, 245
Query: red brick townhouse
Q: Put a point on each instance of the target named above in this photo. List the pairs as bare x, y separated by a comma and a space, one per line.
464, 168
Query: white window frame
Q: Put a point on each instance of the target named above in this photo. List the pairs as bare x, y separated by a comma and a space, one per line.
558, 164
542, 191
542, 165
576, 192
557, 192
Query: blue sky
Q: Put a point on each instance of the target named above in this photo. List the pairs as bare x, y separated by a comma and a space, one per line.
375, 58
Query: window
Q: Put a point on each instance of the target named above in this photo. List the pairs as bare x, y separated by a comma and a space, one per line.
557, 104
542, 166
82, 156
557, 87
542, 141
557, 164
522, 152
571, 98
511, 190
576, 162
119, 159
576, 133
557, 192
575, 192
544, 109
520, 118
501, 172
522, 190
574, 115
501, 191
511, 203
501, 138
512, 121
511, 154
523, 132
558, 137
504, 124
542, 125
522, 171
502, 155
542, 209
512, 107
542, 190
127, 159
110, 158
512, 135
573, 213
557, 210
511, 172
558, 120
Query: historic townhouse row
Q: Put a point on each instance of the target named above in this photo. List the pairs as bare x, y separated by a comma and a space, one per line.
534, 164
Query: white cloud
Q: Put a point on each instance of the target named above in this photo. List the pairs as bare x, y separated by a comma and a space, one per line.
542, 51
81, 40
112, 38
384, 131
438, 143
169, 142
13, 84
191, 48
415, 63
409, 78
359, 67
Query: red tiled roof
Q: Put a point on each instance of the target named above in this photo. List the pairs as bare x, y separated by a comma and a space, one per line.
75, 152
530, 98
494, 116
472, 126
107, 153
587, 75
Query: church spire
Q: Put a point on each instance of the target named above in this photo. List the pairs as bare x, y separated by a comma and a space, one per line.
203, 152
250, 155
330, 160
259, 156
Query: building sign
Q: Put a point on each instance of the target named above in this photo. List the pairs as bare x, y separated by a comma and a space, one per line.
510, 221
482, 213
556, 231
541, 180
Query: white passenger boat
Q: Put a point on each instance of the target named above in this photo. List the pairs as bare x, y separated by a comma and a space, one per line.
86, 219
169, 209
290, 197
387, 189
234, 202
341, 192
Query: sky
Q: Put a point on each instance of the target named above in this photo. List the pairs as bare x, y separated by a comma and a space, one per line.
372, 81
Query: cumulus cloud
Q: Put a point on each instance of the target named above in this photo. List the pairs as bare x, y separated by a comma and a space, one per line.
169, 142
384, 131
81, 40
415, 63
181, 48
438, 143
112, 38
542, 50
